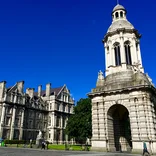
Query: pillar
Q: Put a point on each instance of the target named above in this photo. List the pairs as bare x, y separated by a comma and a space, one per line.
21, 126
106, 57
134, 52
12, 123
2, 119
123, 57
61, 132
52, 125
139, 55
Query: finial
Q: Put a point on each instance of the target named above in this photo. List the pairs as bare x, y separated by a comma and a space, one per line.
117, 1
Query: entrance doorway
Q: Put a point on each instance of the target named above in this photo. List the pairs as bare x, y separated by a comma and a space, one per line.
119, 131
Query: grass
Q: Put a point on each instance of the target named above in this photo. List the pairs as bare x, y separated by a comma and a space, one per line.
54, 147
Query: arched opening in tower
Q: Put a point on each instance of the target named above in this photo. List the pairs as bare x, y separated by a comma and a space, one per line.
119, 131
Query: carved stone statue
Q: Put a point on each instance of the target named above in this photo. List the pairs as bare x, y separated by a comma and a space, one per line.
100, 80
39, 136
100, 75
39, 139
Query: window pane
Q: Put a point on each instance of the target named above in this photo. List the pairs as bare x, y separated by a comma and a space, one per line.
119, 58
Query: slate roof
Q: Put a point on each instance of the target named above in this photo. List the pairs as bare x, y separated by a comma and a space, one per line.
52, 90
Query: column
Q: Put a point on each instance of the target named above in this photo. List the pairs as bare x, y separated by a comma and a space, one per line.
12, 123
61, 130
134, 52
95, 122
15, 98
101, 122
139, 58
139, 54
52, 125
112, 59
134, 121
21, 126
2, 119
143, 120
122, 51
106, 59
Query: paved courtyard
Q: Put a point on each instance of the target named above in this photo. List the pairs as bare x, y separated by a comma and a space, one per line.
37, 152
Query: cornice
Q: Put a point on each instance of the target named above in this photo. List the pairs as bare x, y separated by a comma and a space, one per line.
124, 30
101, 91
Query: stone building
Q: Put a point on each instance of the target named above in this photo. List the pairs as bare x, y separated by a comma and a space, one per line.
22, 115
124, 101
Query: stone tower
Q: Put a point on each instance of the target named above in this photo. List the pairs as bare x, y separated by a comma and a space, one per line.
123, 102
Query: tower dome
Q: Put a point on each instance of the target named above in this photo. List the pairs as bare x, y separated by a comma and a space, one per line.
118, 7
122, 46
119, 19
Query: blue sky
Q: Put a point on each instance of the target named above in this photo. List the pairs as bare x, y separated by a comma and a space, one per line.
60, 41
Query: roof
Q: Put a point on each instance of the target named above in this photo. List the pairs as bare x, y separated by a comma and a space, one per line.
123, 23
52, 90
118, 7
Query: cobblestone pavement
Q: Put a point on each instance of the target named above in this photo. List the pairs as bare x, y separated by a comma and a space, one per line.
37, 152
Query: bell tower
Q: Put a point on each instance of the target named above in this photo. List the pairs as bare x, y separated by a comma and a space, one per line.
122, 44
124, 101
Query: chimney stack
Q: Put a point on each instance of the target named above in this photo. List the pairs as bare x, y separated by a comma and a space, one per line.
48, 87
30, 92
2, 88
39, 90
20, 86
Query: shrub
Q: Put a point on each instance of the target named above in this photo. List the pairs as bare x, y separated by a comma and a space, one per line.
14, 141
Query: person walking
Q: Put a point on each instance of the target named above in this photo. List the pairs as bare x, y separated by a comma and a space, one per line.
145, 148
43, 145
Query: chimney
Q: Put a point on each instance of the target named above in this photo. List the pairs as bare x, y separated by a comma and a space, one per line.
48, 87
2, 88
20, 86
30, 92
39, 90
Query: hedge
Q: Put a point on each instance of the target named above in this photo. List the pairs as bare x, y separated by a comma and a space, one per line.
18, 142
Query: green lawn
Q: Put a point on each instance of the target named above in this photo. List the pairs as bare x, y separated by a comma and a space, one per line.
53, 146
70, 147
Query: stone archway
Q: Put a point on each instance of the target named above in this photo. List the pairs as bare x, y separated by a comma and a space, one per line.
119, 131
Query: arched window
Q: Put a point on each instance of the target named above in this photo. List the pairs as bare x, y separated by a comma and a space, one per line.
128, 53
137, 46
117, 15
121, 14
113, 16
117, 54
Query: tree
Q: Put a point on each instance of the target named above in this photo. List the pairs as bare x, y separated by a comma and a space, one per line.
79, 125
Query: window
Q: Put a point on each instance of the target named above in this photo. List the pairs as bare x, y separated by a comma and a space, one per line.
18, 112
63, 122
49, 123
107, 49
8, 121
16, 122
58, 106
121, 14
58, 121
113, 16
137, 46
64, 107
117, 15
128, 53
9, 110
69, 109
117, 54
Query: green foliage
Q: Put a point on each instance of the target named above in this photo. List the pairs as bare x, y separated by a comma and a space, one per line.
79, 125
